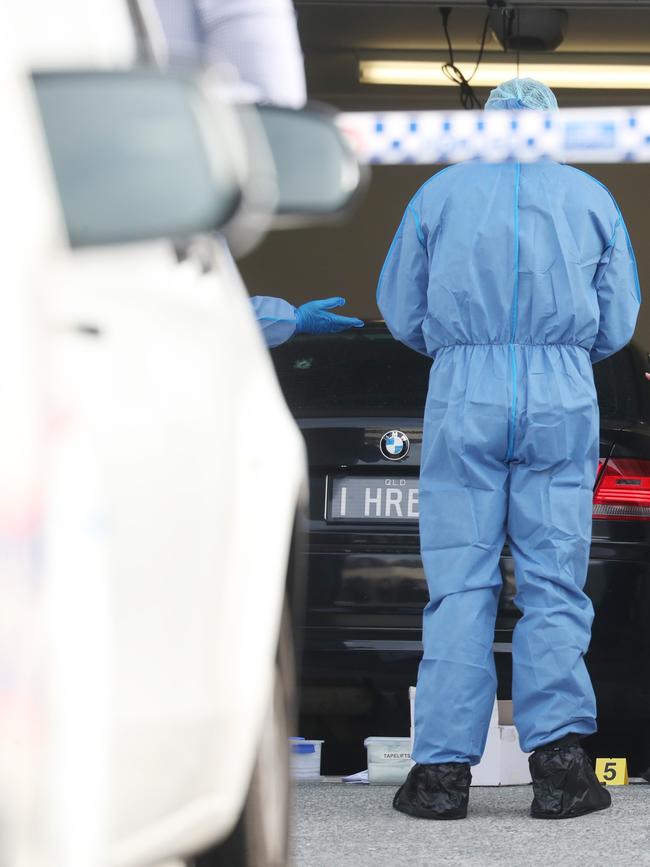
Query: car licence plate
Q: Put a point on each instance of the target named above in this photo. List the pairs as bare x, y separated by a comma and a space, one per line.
372, 498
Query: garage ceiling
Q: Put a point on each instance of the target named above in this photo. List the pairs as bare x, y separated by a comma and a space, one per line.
335, 34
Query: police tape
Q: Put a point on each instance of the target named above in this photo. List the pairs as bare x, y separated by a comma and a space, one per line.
581, 135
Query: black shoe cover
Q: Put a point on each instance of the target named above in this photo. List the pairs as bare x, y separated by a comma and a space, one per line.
564, 782
435, 791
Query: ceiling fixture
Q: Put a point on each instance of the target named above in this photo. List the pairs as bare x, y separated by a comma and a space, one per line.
528, 29
590, 76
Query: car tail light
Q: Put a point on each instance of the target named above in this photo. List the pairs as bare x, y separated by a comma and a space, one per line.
623, 490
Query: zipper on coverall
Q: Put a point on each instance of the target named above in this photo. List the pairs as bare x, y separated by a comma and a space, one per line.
513, 324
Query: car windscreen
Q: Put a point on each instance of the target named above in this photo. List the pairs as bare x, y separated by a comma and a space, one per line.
369, 373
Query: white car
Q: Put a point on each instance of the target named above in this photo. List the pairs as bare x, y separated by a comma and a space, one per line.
151, 476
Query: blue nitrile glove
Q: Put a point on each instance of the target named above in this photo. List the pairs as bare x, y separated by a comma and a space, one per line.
313, 318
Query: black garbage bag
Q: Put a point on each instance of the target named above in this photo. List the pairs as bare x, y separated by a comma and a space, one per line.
435, 791
564, 782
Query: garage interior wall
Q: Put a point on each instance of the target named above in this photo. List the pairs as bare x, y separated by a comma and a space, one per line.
345, 258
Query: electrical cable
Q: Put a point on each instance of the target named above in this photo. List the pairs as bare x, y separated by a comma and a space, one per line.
468, 98
518, 41
511, 16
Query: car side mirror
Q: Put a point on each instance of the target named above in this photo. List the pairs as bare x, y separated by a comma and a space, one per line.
317, 174
139, 154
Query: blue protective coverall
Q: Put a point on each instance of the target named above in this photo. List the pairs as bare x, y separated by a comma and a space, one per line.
514, 279
276, 317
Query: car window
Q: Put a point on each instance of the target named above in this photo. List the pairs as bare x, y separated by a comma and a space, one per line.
370, 373
623, 392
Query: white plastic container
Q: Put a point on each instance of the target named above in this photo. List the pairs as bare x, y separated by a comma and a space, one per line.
304, 759
389, 760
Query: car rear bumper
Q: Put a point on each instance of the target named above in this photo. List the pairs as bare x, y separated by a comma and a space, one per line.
363, 631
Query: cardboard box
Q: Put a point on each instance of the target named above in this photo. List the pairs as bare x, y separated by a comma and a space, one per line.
503, 763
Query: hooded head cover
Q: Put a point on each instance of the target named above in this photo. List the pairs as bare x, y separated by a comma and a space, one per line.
522, 93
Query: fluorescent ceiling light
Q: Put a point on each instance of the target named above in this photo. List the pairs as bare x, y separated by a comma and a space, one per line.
578, 75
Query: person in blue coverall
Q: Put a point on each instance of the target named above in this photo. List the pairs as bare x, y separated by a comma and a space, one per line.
514, 279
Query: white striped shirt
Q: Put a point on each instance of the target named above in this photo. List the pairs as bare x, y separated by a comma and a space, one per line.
258, 38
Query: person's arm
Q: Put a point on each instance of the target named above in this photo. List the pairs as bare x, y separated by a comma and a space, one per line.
619, 295
276, 318
259, 38
402, 288
280, 320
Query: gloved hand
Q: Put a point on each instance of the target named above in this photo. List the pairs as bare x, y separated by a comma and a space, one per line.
313, 318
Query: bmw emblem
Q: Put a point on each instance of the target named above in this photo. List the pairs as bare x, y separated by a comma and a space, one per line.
394, 445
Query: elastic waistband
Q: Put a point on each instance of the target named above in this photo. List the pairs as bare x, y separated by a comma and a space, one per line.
513, 343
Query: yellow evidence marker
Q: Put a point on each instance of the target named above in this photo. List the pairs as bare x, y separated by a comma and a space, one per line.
612, 772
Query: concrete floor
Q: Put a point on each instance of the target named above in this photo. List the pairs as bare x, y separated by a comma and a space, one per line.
337, 825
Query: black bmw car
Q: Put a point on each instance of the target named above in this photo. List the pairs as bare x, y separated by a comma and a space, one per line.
359, 399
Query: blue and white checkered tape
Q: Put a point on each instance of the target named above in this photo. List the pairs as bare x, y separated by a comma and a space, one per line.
581, 135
